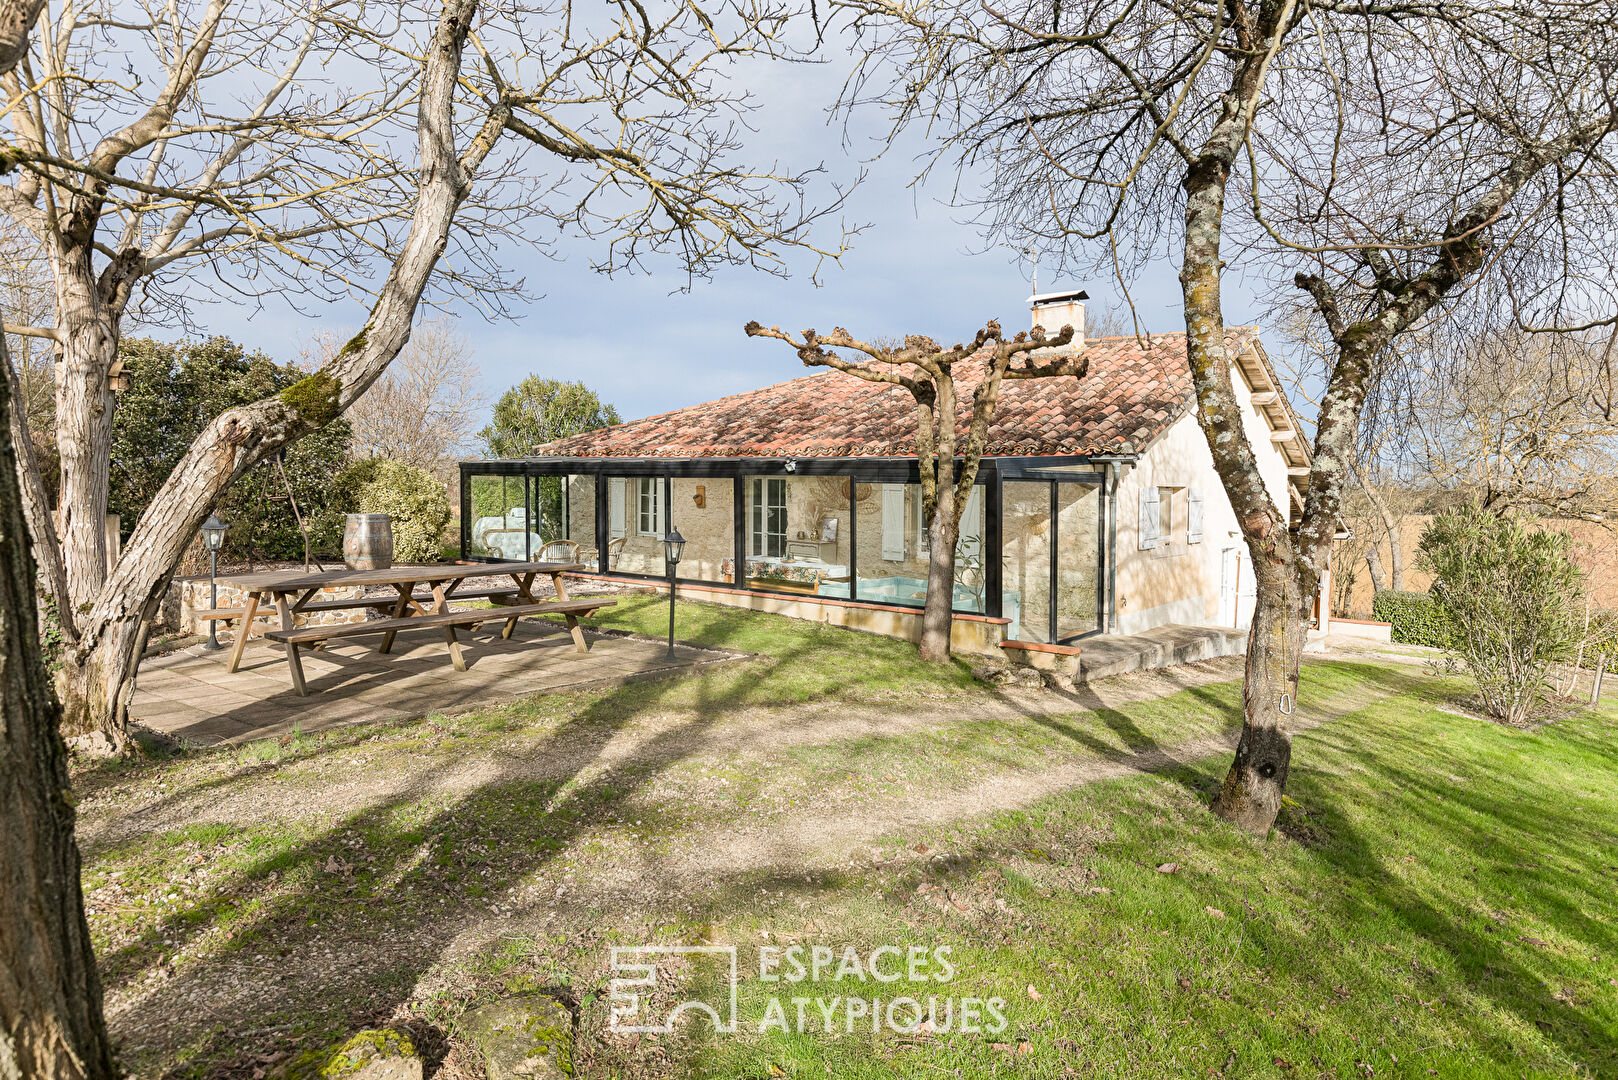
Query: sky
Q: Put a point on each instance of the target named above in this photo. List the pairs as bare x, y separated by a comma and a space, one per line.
646, 346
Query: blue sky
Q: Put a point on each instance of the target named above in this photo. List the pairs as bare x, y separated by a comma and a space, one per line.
645, 346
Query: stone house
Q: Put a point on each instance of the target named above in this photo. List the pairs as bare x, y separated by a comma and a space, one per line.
1096, 508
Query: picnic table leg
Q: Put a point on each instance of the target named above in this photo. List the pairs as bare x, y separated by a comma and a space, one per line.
525, 594
441, 603
398, 613
578, 634
297, 669
244, 630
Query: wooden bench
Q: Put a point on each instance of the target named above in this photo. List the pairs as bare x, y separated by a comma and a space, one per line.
380, 600
312, 636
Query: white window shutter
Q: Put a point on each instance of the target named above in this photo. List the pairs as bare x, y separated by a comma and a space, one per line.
972, 523
1193, 518
893, 522
1148, 518
616, 488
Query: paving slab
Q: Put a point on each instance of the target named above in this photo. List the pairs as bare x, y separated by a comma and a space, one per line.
191, 695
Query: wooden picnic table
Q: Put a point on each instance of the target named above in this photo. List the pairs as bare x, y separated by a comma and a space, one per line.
290, 592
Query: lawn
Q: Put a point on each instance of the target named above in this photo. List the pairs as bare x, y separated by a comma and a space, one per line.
1440, 900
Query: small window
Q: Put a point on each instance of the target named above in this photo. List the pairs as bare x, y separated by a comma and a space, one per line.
769, 522
1165, 514
649, 507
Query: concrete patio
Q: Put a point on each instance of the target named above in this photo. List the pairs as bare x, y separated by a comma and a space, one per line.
190, 695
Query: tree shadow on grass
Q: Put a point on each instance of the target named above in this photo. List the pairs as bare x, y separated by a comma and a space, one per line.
418, 867
1441, 911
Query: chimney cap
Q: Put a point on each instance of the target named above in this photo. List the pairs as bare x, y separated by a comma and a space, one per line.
1040, 299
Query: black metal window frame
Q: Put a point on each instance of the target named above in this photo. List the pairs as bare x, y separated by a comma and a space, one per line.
992, 472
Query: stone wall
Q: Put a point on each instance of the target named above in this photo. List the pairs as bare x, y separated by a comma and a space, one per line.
709, 529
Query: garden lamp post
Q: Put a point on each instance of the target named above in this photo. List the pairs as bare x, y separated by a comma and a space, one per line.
673, 548
213, 538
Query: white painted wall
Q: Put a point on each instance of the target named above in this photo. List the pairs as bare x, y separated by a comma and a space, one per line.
1179, 581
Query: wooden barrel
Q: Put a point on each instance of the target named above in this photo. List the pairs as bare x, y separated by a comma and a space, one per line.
368, 542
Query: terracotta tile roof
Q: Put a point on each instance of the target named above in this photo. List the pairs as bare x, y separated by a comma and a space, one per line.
1131, 395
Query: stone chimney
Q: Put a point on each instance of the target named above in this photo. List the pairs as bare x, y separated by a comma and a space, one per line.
1054, 310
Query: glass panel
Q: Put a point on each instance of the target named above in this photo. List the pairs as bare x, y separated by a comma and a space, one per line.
797, 534
1078, 526
567, 518
893, 558
703, 511
634, 526
970, 579
500, 518
1025, 530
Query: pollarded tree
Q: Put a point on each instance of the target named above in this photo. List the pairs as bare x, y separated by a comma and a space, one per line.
929, 373
1348, 138
627, 113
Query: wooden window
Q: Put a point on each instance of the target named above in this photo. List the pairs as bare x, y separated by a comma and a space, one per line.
649, 507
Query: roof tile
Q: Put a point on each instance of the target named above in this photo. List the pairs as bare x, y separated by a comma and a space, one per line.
1130, 396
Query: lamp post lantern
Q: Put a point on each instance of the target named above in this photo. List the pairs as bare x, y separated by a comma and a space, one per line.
673, 548
213, 538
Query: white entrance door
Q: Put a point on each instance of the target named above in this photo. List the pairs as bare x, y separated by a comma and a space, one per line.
1230, 564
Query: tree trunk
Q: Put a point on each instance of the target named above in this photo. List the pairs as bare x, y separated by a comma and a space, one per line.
1250, 796
937, 616
98, 673
1390, 528
51, 1023
37, 510
84, 405
1373, 563
95, 685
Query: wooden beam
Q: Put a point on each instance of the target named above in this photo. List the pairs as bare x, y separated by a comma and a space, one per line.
1297, 470
1284, 435
1265, 397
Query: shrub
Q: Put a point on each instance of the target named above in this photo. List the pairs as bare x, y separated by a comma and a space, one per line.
1417, 618
175, 390
413, 498
1513, 597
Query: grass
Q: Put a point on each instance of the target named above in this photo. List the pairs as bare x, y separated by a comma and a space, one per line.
797, 661
1439, 901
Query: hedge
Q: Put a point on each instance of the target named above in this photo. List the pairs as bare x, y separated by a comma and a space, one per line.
1416, 617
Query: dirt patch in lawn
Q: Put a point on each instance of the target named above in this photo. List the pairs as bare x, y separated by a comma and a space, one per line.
320, 884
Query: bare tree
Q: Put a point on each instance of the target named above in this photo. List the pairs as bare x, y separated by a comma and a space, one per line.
928, 372
422, 411
1381, 147
1523, 425
628, 113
